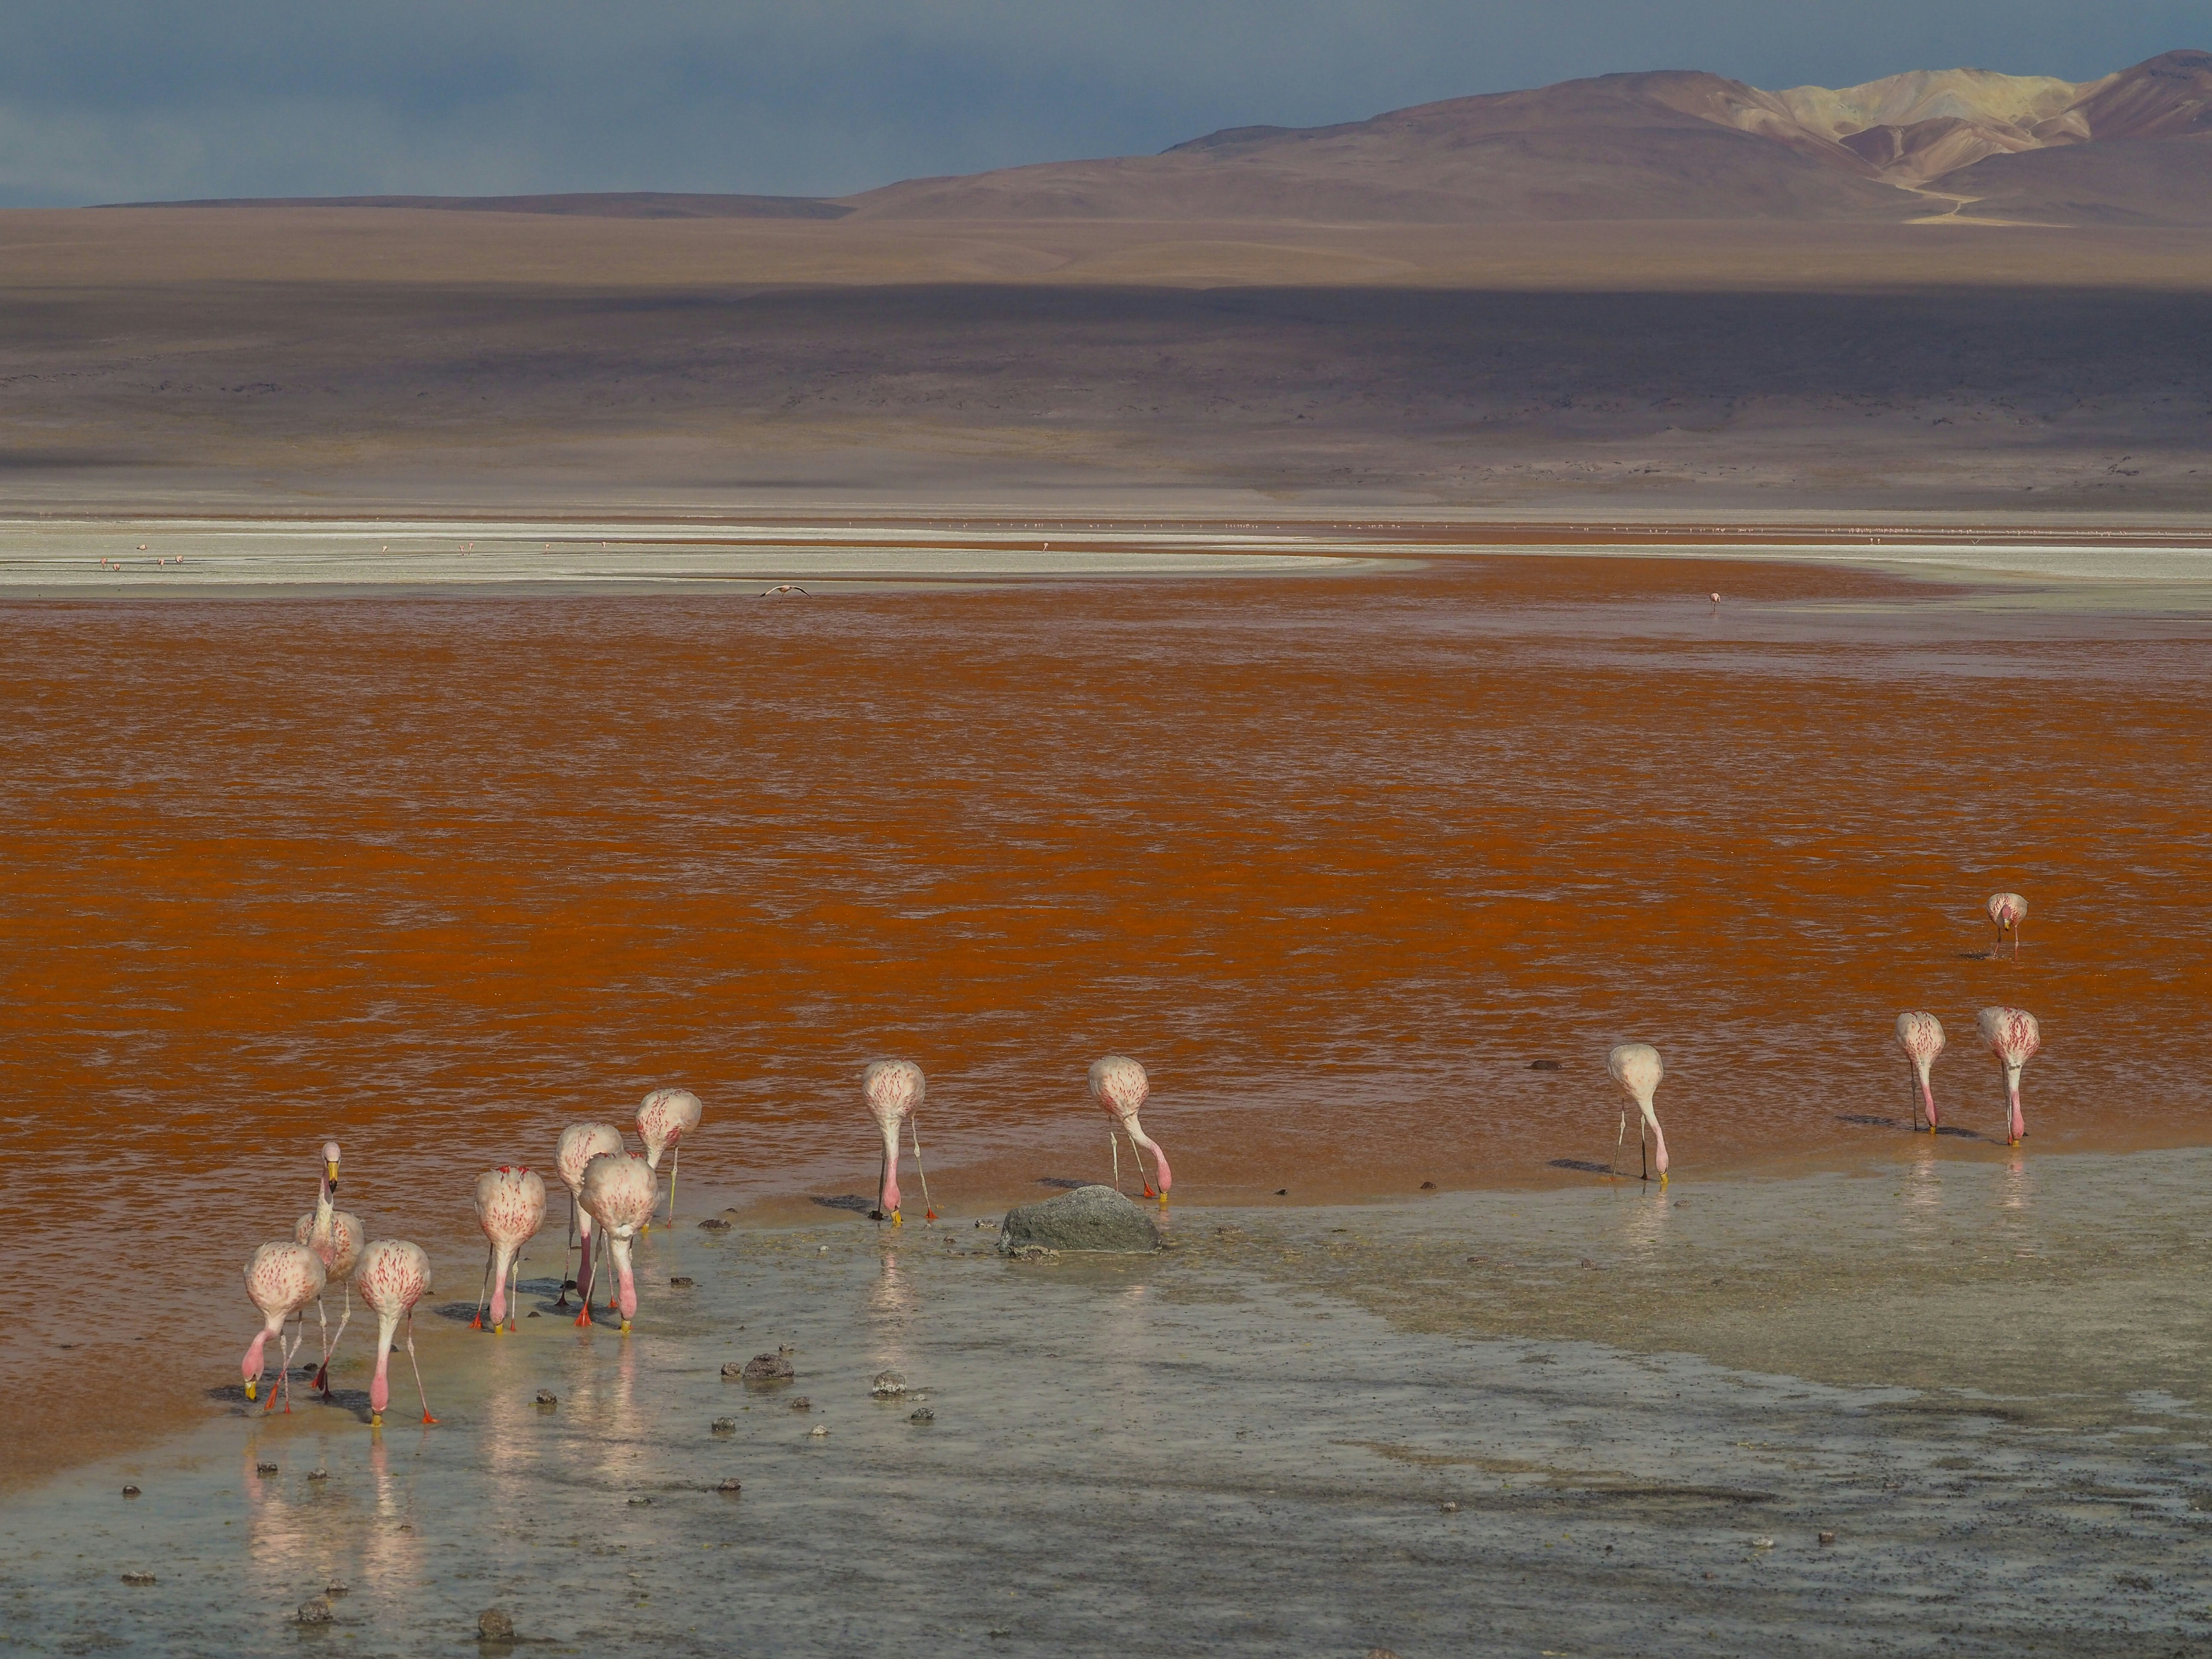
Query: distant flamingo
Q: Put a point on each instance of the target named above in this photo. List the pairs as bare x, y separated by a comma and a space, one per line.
1635, 1066
618, 1194
282, 1279
2014, 1037
1921, 1036
666, 1116
2007, 912
394, 1276
579, 1144
510, 1209
335, 1238
1120, 1086
893, 1090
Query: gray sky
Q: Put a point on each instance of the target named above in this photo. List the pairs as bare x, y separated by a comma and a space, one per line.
117, 99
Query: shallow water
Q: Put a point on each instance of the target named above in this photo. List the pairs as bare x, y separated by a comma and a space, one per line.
1337, 859
1246, 1444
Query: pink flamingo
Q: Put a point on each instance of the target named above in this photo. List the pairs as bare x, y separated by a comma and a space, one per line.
579, 1144
1921, 1036
2014, 1037
335, 1238
510, 1209
1120, 1086
282, 1279
394, 1276
618, 1193
2007, 912
893, 1090
1636, 1068
665, 1118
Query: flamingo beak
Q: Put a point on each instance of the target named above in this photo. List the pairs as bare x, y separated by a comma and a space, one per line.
331, 1171
249, 1390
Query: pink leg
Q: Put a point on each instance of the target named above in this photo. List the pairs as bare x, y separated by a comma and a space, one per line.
419, 1394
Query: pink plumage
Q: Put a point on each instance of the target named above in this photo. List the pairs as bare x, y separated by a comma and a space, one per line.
394, 1276
282, 1279
2015, 1038
510, 1209
618, 1193
1921, 1036
1120, 1086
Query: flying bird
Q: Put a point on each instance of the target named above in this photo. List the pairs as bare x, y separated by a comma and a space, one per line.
282, 1279
510, 1209
785, 587
1635, 1066
394, 1275
618, 1193
665, 1118
579, 1144
2014, 1037
893, 1090
335, 1238
1921, 1036
2007, 912
1119, 1085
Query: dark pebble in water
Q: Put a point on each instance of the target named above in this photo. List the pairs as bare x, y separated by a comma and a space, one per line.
318, 1474
131, 1491
1449, 1509
548, 1399
733, 1370
138, 1578
680, 1282
1543, 1065
765, 1368
533, 1313
925, 1415
1428, 1185
732, 1487
802, 1404
640, 1502
493, 1625
723, 1426
314, 1611
265, 1468
1282, 1192
887, 1384
714, 1223
1827, 1538
336, 1587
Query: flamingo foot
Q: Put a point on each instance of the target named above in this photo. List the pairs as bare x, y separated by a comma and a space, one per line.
430, 1421
323, 1380
376, 1419
476, 1324
929, 1215
1149, 1192
583, 1315
625, 1327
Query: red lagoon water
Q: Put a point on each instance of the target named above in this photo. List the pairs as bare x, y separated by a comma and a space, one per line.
1337, 858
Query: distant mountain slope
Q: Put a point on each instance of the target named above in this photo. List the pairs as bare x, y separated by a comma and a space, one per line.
584, 204
2121, 181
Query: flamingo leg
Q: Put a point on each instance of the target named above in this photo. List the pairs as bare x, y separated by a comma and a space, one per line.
1113, 1142
567, 1279
1620, 1136
1138, 1153
928, 1209
285, 1357
323, 1321
419, 1392
514, 1292
1643, 1152
484, 1292
345, 1318
584, 1266
675, 1158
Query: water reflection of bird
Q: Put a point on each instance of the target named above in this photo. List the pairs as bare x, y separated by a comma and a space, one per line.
2014, 1037
510, 1209
335, 1238
282, 1279
1921, 1036
665, 1118
394, 1275
618, 1193
2007, 912
894, 1090
1120, 1086
1636, 1068
579, 1144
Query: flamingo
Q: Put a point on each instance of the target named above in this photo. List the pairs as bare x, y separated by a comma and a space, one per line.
2014, 1037
282, 1279
1921, 1036
579, 1144
893, 1090
1636, 1068
335, 1237
394, 1276
1120, 1086
665, 1118
618, 1193
2007, 912
510, 1209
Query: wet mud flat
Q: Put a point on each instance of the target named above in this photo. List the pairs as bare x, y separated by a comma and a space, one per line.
1608, 1420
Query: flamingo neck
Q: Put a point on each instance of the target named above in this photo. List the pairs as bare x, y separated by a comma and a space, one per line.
1659, 1141
1137, 1135
887, 1199
503, 1257
379, 1386
623, 1276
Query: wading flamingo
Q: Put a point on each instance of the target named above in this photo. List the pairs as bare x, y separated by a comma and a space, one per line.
1635, 1066
282, 1279
618, 1194
2007, 912
579, 1144
1120, 1086
2014, 1037
893, 1090
1921, 1036
335, 1238
665, 1118
394, 1276
510, 1209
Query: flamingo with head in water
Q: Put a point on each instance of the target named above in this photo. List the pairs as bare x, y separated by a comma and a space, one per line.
335, 1238
665, 1118
282, 1279
1119, 1085
510, 1209
618, 1193
394, 1276
1636, 1068
1921, 1036
2014, 1037
2007, 912
894, 1090
579, 1144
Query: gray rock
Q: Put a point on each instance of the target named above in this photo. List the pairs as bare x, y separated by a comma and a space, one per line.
1088, 1219
887, 1385
925, 1415
725, 1425
139, 1578
765, 1368
315, 1611
493, 1625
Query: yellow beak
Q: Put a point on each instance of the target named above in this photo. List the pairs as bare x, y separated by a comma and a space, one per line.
249, 1391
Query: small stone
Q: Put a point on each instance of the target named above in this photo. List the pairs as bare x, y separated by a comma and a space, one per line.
680, 1282
533, 1313
141, 1579
318, 1474
818, 1431
925, 1415
1428, 1185
765, 1368
265, 1468
1543, 1065
1282, 1192
733, 1370
547, 1400
723, 1426
493, 1625
1449, 1509
640, 1502
731, 1487
1827, 1538
131, 1491
336, 1587
802, 1404
314, 1611
714, 1223
1762, 1543
888, 1385
1381, 1653
1089, 1219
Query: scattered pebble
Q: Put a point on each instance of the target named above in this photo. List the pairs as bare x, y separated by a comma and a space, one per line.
640, 1502
1587, 1262
818, 1431
265, 1468
547, 1400
131, 1491
1428, 1185
733, 1370
141, 1579
318, 1474
493, 1625
1381, 1653
724, 1425
680, 1282
887, 1385
765, 1368
1449, 1509
533, 1313
714, 1223
802, 1404
336, 1587
733, 1487
1827, 1538
925, 1415
314, 1611
1282, 1192
1543, 1065
1762, 1543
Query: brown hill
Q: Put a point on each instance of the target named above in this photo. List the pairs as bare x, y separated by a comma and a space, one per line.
578, 205
2125, 181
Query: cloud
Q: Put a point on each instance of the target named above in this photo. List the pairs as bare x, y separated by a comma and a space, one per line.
136, 99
